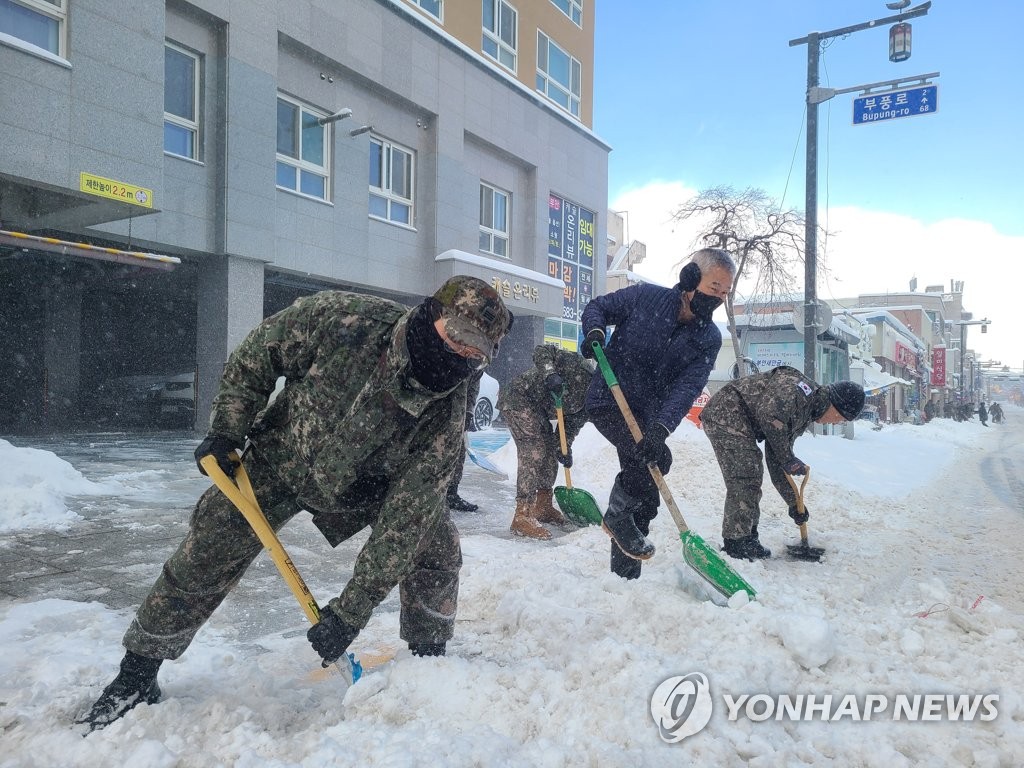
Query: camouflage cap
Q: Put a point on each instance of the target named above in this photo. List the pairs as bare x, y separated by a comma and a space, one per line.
473, 312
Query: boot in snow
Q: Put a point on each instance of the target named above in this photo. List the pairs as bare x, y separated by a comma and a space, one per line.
427, 649
620, 525
458, 504
746, 548
546, 512
525, 524
135, 684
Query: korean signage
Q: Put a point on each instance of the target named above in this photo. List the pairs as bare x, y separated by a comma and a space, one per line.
767, 356
905, 356
518, 290
939, 367
115, 190
876, 107
571, 254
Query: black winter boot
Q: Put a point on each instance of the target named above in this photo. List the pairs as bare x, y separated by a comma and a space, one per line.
746, 548
458, 504
623, 565
620, 525
427, 649
135, 684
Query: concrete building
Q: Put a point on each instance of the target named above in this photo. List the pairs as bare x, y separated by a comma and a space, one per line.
269, 149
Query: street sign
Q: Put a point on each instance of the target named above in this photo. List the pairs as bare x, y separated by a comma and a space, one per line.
890, 105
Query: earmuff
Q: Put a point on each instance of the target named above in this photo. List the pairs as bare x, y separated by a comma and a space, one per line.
689, 277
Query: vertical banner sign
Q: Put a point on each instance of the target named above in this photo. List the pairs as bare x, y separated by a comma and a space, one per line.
939, 367
571, 254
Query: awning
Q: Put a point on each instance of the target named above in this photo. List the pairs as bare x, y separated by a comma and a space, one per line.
876, 381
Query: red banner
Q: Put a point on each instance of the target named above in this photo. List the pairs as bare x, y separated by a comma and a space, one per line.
905, 356
939, 367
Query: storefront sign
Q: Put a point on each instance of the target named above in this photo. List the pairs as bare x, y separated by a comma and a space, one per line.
517, 289
571, 254
905, 356
767, 356
939, 367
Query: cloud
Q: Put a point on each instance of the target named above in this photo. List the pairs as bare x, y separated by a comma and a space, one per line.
867, 252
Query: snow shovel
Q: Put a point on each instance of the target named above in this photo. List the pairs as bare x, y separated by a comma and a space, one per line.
243, 497
803, 550
697, 554
577, 504
482, 461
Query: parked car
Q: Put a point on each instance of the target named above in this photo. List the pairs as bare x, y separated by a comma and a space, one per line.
486, 411
175, 400
147, 401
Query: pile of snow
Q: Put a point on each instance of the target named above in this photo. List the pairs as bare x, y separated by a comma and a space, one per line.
555, 660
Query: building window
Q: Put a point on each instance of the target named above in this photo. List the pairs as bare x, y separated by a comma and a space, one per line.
500, 32
181, 102
571, 8
494, 220
558, 75
391, 181
39, 22
302, 150
434, 7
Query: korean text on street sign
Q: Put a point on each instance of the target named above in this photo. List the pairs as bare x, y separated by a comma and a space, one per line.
877, 107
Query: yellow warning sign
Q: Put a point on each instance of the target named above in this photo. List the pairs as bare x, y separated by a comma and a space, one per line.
116, 190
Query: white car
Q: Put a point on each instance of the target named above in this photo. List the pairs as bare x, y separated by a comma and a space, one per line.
486, 408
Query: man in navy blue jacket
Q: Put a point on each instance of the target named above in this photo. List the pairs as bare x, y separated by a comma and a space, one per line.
662, 352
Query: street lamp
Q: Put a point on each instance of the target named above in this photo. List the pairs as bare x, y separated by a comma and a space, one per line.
984, 323
814, 97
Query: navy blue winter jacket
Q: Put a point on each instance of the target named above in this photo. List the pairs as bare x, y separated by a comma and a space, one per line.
662, 366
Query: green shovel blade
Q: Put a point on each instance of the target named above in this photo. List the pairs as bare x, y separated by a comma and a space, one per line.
712, 566
578, 505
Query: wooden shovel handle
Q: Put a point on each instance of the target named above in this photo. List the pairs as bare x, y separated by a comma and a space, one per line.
243, 497
562, 440
634, 430
800, 500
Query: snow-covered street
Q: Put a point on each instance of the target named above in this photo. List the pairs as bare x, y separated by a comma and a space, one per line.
555, 660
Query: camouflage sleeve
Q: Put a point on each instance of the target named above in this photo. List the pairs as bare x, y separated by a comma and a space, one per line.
282, 345
409, 513
473, 391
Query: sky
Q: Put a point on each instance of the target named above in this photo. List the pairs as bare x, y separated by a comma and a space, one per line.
556, 662
692, 95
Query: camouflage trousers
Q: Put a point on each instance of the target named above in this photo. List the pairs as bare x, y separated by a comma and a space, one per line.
220, 545
742, 467
536, 447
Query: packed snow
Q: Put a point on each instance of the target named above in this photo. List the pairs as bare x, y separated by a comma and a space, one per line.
555, 660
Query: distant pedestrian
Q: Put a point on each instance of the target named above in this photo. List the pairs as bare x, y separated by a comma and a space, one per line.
367, 432
662, 351
996, 412
528, 407
982, 414
775, 408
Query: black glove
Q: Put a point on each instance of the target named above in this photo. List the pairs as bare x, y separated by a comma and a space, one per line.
565, 459
219, 447
652, 448
795, 467
799, 518
554, 384
594, 334
330, 636
470, 422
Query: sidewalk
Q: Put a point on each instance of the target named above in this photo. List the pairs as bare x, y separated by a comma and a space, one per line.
115, 553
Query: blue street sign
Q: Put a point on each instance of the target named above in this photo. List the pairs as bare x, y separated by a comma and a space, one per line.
890, 105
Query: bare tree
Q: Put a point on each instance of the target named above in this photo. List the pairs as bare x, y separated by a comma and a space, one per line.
766, 242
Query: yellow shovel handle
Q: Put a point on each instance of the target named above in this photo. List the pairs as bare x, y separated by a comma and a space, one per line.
561, 439
243, 497
800, 498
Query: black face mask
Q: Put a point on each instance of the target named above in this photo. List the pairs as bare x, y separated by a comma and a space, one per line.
704, 306
433, 364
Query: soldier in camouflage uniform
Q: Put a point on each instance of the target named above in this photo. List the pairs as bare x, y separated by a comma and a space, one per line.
366, 432
528, 407
452, 498
774, 407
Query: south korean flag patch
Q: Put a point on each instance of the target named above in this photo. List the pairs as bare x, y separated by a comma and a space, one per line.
805, 387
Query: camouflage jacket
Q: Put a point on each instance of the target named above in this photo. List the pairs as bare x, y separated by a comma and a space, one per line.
349, 409
777, 405
528, 390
